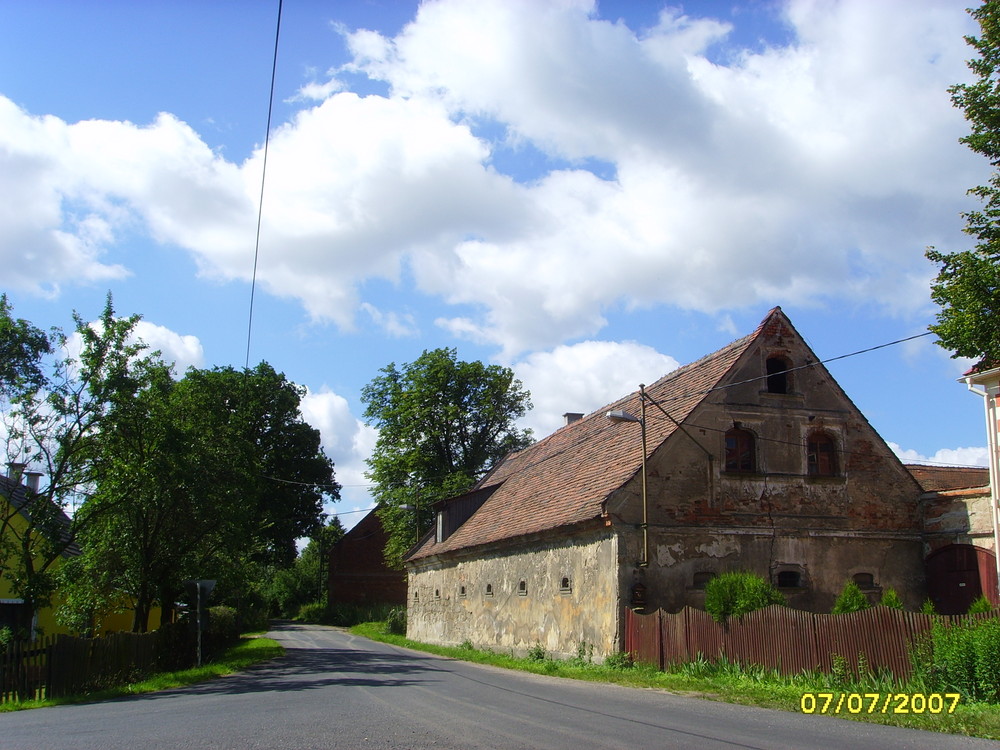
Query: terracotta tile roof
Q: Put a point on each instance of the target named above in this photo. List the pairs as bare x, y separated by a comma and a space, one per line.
941, 478
564, 479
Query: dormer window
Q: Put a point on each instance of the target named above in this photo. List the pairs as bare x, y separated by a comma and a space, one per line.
821, 455
778, 378
740, 454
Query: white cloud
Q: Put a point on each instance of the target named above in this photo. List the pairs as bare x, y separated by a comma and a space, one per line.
585, 376
801, 174
348, 442
972, 456
180, 350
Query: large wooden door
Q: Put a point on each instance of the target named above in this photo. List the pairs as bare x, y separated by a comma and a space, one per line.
958, 574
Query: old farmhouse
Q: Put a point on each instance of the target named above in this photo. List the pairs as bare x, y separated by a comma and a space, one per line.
751, 458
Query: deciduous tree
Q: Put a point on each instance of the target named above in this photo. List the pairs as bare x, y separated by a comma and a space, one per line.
967, 286
442, 423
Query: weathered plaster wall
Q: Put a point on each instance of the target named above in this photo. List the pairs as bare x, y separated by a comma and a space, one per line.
449, 601
958, 517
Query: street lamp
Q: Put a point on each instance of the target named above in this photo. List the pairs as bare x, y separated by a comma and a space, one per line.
620, 415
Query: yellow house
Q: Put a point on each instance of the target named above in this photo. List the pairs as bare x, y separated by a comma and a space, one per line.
25, 519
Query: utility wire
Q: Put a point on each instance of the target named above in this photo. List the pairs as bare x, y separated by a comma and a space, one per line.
263, 174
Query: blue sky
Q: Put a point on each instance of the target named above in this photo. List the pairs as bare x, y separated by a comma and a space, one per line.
588, 192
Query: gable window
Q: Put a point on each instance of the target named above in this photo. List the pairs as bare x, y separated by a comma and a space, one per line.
740, 454
777, 375
821, 455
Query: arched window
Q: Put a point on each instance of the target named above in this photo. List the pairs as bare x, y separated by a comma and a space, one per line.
865, 580
740, 454
778, 379
821, 455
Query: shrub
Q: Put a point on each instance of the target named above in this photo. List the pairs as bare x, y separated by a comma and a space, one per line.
536, 653
619, 660
737, 593
312, 613
851, 599
6, 638
891, 599
927, 608
980, 606
395, 621
962, 658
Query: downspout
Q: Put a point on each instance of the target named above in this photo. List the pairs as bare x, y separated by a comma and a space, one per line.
644, 563
990, 394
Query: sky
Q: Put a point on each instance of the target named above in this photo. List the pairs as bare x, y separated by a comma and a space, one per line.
591, 192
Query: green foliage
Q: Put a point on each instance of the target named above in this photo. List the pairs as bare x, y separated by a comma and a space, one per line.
313, 612
395, 621
287, 589
348, 615
967, 287
619, 660
963, 658
851, 599
6, 637
442, 423
927, 608
891, 599
736, 593
536, 653
980, 606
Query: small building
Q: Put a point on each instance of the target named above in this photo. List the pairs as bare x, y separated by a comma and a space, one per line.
751, 458
959, 541
357, 570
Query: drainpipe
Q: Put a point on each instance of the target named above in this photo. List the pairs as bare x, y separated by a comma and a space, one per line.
989, 383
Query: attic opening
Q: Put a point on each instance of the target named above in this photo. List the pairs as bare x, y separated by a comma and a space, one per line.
778, 376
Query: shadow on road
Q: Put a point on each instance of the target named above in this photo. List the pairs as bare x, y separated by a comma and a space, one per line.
314, 668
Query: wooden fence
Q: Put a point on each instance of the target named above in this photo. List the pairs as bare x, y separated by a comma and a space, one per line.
781, 638
63, 665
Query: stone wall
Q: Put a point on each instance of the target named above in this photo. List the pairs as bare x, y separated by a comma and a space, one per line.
558, 594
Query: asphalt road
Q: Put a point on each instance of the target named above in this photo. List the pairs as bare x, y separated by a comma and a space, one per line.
334, 690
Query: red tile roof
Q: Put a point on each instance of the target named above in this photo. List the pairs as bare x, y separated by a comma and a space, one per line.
941, 478
564, 479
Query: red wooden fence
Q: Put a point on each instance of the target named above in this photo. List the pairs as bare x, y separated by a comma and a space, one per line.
781, 638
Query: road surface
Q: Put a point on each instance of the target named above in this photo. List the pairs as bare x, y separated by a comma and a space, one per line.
335, 690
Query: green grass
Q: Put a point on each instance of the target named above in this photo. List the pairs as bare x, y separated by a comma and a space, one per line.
730, 683
249, 650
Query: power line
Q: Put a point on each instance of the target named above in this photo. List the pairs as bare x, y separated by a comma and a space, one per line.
263, 174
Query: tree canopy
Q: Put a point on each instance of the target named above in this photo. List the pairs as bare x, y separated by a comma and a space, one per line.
442, 423
967, 287
214, 475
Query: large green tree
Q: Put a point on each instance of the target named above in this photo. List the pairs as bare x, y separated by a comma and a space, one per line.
213, 476
55, 405
442, 423
967, 287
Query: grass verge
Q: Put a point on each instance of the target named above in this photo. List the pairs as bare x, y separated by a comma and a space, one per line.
730, 683
249, 650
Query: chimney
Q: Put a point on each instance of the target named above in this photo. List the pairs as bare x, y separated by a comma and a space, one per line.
572, 416
15, 470
32, 480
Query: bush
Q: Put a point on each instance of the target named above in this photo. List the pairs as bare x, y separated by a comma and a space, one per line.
980, 606
891, 599
349, 615
735, 594
536, 653
851, 599
313, 612
927, 608
619, 660
395, 621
